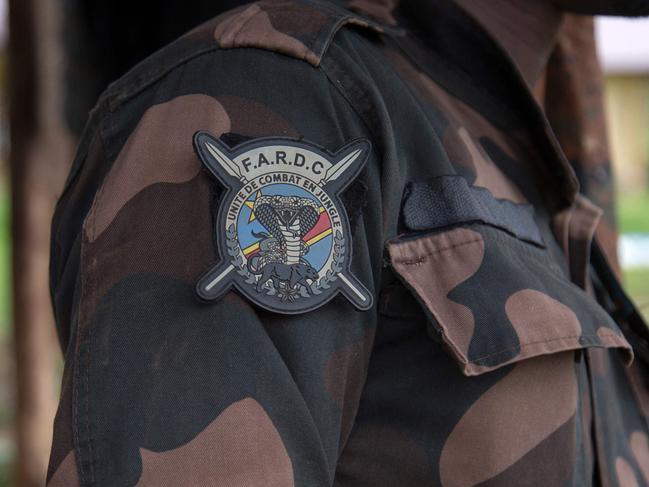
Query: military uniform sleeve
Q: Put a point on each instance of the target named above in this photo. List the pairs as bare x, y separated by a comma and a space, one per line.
165, 387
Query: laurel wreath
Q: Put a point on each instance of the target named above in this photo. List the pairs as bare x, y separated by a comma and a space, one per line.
316, 287
332, 273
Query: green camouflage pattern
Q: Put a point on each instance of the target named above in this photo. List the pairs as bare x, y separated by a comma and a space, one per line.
490, 356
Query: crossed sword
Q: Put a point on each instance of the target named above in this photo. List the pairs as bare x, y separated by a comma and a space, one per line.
333, 173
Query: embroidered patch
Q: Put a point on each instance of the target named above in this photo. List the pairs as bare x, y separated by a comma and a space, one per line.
282, 232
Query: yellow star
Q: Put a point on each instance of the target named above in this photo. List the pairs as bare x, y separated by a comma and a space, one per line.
251, 204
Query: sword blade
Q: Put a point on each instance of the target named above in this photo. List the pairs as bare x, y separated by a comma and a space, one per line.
353, 288
335, 171
219, 278
228, 164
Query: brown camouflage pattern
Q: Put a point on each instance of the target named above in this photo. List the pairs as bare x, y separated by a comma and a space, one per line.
297, 30
538, 307
247, 446
486, 360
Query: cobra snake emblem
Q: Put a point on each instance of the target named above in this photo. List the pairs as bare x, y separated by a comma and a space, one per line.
280, 259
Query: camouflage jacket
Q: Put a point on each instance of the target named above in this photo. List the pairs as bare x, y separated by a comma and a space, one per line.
312, 245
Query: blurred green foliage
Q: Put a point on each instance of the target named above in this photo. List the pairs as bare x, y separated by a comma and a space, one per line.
633, 217
637, 285
5, 475
633, 213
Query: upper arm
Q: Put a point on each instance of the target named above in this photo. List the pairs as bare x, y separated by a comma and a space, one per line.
162, 380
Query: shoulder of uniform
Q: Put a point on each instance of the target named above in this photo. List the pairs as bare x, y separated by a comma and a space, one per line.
301, 29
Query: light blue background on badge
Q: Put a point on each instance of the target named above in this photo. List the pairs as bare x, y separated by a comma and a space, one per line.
318, 252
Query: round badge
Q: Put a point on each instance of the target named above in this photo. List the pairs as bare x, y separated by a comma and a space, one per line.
283, 234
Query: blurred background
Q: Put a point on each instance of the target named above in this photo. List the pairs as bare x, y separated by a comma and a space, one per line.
56, 56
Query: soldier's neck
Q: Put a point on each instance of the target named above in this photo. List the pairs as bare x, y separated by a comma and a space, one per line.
526, 29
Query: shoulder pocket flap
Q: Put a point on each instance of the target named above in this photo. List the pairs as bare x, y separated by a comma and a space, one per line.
496, 299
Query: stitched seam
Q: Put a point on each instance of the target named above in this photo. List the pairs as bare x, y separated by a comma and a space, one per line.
549, 340
83, 354
91, 460
424, 257
75, 411
498, 235
90, 296
81, 381
340, 22
241, 27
